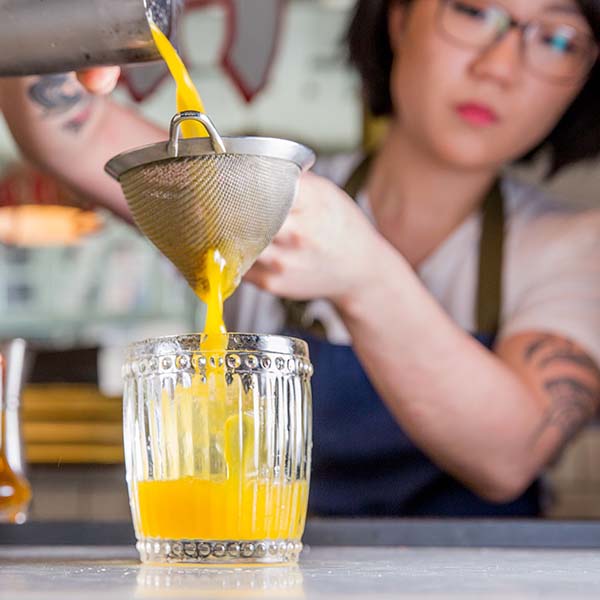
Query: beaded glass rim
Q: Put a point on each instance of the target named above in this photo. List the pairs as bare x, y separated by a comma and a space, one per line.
236, 342
245, 353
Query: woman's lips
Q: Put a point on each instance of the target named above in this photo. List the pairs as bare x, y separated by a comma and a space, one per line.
477, 114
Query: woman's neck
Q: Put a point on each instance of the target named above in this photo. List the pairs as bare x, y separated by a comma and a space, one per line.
419, 201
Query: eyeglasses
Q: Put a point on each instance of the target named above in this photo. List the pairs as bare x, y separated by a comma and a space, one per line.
553, 50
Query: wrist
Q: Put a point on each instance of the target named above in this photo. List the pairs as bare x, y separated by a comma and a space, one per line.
375, 272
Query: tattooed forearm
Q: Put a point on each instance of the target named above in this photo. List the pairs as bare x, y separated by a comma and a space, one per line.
538, 345
61, 95
571, 382
56, 94
573, 404
568, 355
548, 350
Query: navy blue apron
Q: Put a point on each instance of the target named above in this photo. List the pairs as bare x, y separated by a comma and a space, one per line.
363, 463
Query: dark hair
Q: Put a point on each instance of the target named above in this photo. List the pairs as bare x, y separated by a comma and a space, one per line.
576, 137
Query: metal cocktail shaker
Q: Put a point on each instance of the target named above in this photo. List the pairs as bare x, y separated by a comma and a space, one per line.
55, 36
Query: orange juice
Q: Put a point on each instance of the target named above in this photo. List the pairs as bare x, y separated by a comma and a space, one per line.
225, 489
193, 508
188, 97
219, 276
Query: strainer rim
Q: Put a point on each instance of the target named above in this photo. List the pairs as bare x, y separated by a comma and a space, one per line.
267, 147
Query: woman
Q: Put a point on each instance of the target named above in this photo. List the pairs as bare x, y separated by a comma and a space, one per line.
417, 417
426, 246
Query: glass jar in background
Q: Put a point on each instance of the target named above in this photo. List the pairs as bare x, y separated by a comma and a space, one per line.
218, 439
15, 491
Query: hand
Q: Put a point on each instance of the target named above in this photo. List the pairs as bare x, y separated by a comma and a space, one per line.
325, 248
100, 80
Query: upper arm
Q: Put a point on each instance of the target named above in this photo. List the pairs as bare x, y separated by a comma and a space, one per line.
550, 335
564, 381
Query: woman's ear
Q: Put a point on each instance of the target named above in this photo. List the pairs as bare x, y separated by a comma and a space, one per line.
396, 19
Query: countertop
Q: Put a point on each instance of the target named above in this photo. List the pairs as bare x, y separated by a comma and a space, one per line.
457, 533
343, 558
324, 572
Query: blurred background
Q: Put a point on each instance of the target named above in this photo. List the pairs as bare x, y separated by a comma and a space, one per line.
79, 301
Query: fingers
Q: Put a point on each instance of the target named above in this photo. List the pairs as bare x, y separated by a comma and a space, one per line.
261, 276
267, 270
289, 235
270, 260
99, 81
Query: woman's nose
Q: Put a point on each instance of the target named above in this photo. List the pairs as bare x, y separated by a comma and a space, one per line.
502, 61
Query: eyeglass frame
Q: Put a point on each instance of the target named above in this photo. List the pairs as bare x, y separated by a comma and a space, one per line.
525, 28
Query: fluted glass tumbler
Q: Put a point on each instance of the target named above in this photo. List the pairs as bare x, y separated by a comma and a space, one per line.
218, 439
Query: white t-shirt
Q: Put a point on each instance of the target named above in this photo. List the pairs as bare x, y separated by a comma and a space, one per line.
551, 272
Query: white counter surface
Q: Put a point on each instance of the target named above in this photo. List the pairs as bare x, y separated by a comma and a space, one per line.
88, 573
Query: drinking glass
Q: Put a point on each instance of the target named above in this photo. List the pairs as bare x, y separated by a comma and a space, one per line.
218, 436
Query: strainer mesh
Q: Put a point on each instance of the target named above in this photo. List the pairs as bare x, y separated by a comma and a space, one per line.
188, 206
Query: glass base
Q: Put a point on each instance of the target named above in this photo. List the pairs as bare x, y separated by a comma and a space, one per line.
218, 552
17, 517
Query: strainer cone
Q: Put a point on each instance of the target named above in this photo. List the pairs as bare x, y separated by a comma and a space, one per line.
192, 196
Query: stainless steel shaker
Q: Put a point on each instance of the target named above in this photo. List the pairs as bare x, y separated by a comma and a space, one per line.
55, 36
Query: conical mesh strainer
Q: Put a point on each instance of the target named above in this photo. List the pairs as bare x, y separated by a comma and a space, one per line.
194, 196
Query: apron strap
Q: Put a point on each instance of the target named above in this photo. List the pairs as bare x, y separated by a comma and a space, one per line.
491, 250
491, 254
358, 178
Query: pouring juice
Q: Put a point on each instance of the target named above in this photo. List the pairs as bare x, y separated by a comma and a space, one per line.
219, 439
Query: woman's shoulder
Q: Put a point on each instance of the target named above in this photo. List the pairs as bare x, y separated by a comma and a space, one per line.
552, 268
538, 219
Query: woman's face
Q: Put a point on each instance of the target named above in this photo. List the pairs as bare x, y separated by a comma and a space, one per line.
476, 107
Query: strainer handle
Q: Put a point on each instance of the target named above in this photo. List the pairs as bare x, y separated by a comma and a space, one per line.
192, 115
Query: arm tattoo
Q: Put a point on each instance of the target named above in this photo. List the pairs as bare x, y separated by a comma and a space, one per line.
569, 355
537, 345
60, 94
574, 394
56, 94
573, 405
548, 350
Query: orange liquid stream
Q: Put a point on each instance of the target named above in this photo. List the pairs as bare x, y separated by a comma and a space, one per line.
188, 97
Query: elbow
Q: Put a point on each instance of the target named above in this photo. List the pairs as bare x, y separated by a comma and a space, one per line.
503, 484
